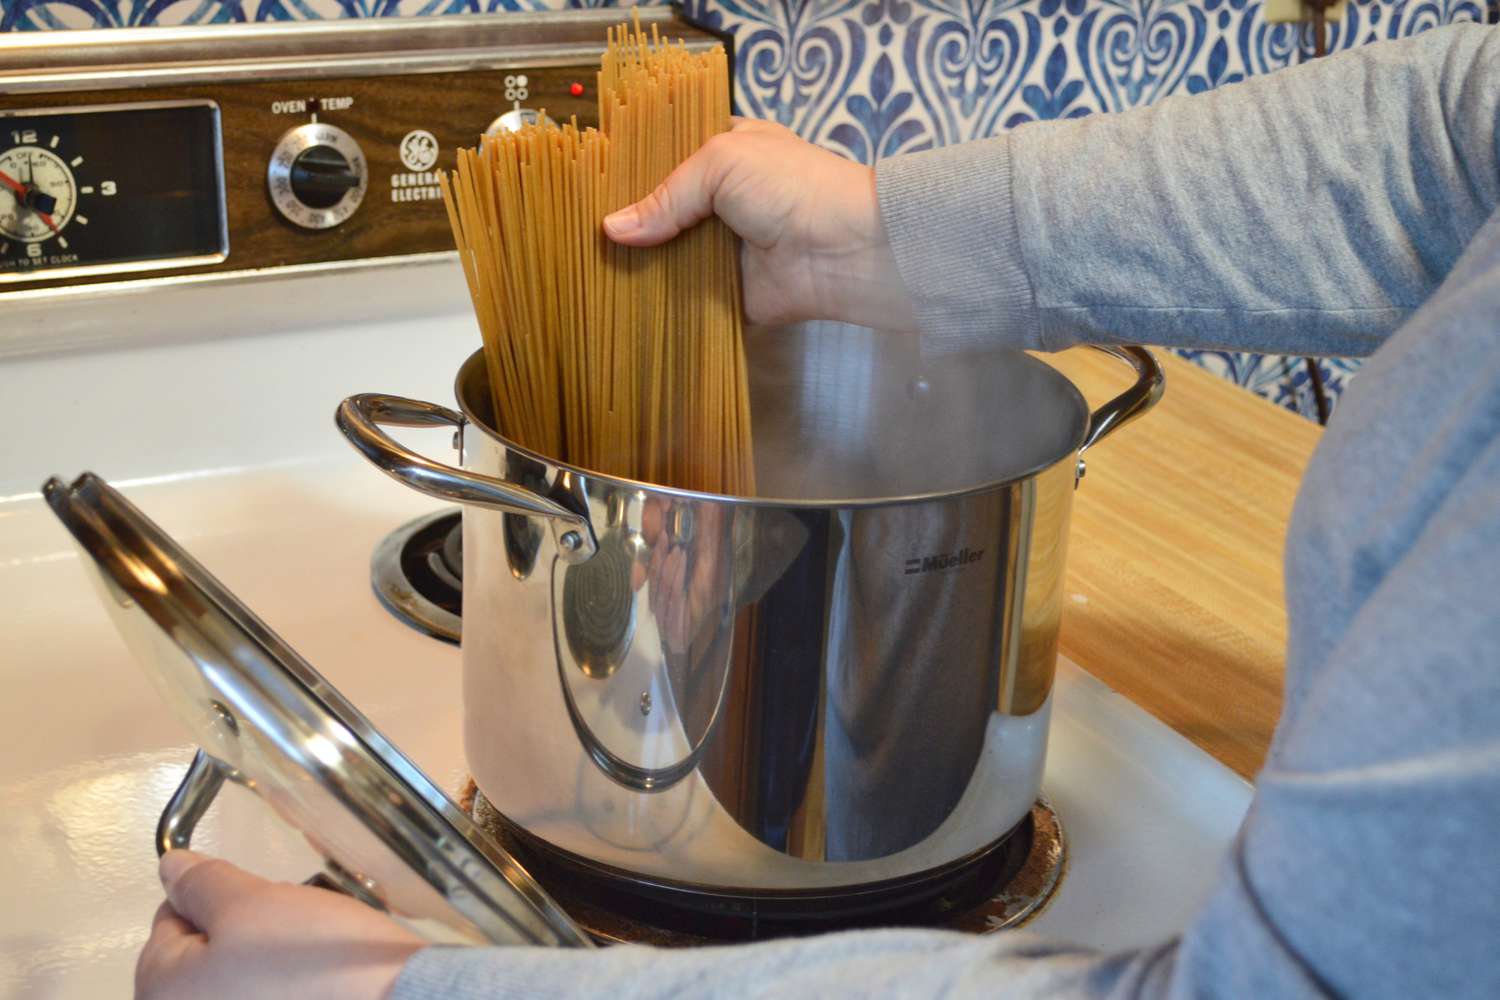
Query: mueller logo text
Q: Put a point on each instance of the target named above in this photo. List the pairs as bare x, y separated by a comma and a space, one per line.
945, 560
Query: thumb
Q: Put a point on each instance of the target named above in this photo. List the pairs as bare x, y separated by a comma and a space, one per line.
680, 202
200, 888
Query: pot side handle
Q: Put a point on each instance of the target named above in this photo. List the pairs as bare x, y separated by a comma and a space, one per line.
1147, 391
359, 419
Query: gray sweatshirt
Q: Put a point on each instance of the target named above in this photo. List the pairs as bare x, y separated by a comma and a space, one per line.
1347, 207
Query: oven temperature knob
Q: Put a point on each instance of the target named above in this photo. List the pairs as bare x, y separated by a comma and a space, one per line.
317, 175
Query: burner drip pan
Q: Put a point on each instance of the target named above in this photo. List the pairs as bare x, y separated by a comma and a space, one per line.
417, 572
1001, 887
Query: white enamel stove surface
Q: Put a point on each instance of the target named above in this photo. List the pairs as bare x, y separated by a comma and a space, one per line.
229, 444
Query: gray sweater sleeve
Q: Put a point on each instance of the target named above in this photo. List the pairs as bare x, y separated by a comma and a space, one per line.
1309, 211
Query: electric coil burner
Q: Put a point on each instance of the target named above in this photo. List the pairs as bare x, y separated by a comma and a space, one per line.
1004, 889
417, 572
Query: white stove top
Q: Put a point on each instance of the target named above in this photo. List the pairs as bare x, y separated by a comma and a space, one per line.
229, 444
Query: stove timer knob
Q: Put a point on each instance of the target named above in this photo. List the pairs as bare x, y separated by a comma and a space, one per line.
513, 120
317, 176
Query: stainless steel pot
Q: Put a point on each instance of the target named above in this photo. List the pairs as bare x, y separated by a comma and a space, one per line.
844, 681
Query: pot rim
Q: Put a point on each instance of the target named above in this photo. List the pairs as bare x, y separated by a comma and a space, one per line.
1071, 390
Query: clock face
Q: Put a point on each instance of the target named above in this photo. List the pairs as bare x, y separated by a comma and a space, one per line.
116, 188
37, 194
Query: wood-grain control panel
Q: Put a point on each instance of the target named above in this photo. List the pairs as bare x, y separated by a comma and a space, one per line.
296, 165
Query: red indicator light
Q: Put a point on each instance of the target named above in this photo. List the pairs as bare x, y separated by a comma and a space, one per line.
576, 89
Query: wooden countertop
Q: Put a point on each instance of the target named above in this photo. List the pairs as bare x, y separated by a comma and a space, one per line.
1174, 591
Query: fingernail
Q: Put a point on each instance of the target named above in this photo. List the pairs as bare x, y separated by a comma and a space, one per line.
626, 220
172, 865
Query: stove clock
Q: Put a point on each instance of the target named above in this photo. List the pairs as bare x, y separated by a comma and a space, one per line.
110, 188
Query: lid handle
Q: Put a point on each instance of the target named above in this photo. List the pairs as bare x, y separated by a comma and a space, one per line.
205, 776
190, 802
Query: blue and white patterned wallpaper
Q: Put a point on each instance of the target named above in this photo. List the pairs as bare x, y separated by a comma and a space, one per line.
873, 78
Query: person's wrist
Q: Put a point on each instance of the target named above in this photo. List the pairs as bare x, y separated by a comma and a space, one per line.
389, 989
861, 283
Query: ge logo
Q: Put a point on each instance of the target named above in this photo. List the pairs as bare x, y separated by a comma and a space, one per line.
419, 150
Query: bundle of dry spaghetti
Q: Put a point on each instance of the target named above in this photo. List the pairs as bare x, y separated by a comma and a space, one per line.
621, 360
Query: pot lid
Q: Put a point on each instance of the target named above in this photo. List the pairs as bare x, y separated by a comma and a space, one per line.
271, 722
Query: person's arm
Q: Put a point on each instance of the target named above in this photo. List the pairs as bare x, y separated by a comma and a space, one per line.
868, 964
1307, 211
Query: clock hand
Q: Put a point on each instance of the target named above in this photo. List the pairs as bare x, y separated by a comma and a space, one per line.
21, 193
40, 201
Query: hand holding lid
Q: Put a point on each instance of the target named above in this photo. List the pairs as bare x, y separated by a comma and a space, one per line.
263, 716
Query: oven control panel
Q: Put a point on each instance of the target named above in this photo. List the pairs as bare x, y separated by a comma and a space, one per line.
249, 175
130, 156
